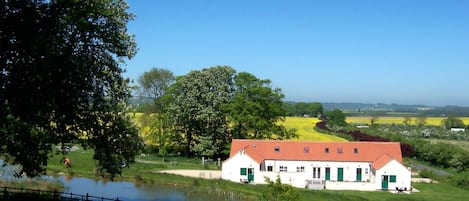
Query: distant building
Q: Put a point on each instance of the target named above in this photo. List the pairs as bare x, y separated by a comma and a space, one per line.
458, 129
319, 165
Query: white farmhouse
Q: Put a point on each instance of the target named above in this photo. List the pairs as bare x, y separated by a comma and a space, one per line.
319, 165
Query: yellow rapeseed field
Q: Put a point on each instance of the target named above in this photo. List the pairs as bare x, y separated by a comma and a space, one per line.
304, 127
435, 121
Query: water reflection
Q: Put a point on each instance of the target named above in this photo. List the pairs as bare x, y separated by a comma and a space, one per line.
123, 190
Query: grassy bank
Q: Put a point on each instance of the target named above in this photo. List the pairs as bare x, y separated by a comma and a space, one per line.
36, 184
145, 172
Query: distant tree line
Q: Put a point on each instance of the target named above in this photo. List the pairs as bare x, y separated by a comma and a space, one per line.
198, 114
301, 109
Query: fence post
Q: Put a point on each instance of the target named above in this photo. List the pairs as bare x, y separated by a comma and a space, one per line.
87, 197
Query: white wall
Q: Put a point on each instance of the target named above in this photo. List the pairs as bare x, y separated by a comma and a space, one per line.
231, 171
350, 169
363, 186
231, 167
403, 175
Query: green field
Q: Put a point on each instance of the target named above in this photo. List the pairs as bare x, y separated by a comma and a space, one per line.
435, 121
304, 128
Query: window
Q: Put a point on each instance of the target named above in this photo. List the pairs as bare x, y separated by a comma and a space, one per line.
300, 169
277, 149
283, 169
306, 149
366, 170
355, 150
340, 150
392, 178
269, 168
243, 171
326, 150
316, 173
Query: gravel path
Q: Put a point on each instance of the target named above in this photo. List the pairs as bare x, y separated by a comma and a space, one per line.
206, 174
419, 166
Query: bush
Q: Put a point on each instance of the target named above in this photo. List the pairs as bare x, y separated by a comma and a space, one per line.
460, 180
276, 191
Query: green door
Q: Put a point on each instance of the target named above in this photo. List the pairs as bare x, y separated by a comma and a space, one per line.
250, 174
359, 174
340, 174
384, 182
328, 174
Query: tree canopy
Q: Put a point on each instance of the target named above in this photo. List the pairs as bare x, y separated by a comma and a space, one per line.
335, 118
209, 107
452, 122
154, 84
61, 81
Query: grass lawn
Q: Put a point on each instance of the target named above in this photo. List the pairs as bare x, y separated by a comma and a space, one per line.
304, 127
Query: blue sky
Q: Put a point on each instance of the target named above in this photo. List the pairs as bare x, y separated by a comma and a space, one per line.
389, 51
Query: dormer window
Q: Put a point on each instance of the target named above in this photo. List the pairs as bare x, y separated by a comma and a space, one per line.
355, 150
306, 149
277, 149
326, 150
340, 150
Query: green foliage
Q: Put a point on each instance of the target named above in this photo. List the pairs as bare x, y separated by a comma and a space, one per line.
256, 108
154, 84
198, 106
276, 191
313, 109
421, 119
452, 122
210, 107
461, 180
61, 81
335, 118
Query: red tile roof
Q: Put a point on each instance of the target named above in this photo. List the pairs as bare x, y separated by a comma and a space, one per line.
379, 153
381, 161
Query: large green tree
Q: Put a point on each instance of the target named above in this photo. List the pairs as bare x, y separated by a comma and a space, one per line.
154, 84
452, 122
335, 118
61, 81
198, 109
256, 109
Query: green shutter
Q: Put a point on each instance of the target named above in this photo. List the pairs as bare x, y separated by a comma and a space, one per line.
340, 174
359, 174
392, 178
243, 171
328, 174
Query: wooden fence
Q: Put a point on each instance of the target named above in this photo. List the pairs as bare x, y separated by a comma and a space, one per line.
14, 193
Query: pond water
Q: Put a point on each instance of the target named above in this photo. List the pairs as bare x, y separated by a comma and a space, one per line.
126, 191
132, 192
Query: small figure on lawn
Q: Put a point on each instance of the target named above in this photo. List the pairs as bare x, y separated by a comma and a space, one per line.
66, 162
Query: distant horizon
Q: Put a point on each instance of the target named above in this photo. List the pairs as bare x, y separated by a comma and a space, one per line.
348, 102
